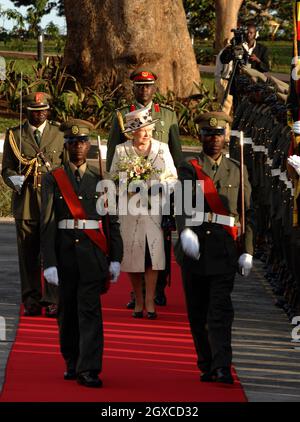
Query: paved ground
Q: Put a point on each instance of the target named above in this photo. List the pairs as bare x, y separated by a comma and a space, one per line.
267, 364
9, 290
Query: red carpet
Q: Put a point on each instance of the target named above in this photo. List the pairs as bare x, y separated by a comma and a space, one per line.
144, 360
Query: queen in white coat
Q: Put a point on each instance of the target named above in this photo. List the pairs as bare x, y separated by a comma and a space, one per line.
142, 234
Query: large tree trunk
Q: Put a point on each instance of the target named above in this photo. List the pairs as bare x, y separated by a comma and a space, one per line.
107, 39
227, 15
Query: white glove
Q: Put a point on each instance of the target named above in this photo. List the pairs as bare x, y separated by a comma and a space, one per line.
51, 275
17, 181
294, 161
114, 269
190, 243
296, 127
245, 264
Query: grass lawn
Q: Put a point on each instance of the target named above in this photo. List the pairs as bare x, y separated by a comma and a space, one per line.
50, 46
280, 53
7, 123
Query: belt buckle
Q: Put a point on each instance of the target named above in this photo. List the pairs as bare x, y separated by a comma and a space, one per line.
76, 223
83, 224
209, 217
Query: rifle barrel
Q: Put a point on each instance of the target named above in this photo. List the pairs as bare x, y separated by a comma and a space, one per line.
242, 184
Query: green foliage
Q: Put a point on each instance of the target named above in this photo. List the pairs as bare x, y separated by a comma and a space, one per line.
187, 109
70, 99
201, 17
5, 199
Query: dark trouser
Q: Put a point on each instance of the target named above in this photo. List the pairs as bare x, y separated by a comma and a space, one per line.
80, 320
28, 240
210, 314
295, 248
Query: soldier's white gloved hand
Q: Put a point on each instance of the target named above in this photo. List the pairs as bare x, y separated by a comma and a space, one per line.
114, 269
51, 275
296, 127
190, 244
245, 264
17, 181
294, 161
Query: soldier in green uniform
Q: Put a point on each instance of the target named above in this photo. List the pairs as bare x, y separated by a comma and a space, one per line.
28, 155
166, 130
207, 252
79, 249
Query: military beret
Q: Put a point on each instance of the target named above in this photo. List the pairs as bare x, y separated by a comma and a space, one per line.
76, 129
142, 76
37, 101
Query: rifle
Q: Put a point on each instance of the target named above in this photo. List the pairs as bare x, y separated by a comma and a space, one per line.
100, 158
105, 218
21, 107
241, 239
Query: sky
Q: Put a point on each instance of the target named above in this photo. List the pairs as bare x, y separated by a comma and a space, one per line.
52, 17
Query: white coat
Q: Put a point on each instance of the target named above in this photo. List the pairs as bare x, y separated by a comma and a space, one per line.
136, 229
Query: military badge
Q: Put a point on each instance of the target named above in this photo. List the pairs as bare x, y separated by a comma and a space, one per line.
213, 122
75, 130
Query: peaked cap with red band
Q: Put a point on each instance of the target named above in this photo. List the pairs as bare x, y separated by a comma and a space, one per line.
37, 101
141, 76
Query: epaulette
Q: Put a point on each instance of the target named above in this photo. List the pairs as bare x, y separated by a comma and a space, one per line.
15, 128
167, 106
236, 162
54, 123
94, 169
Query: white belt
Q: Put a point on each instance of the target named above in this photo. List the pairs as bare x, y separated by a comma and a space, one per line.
225, 220
237, 133
79, 224
275, 172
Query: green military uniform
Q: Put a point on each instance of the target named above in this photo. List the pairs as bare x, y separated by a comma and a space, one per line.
166, 130
208, 281
26, 205
82, 266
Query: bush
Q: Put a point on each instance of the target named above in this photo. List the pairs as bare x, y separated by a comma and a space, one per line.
5, 199
70, 99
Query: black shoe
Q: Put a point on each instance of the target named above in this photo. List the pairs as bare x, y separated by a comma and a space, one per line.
160, 299
223, 375
151, 315
70, 373
131, 303
32, 310
207, 377
51, 311
137, 314
89, 379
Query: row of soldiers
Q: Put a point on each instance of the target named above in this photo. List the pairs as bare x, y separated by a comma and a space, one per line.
262, 115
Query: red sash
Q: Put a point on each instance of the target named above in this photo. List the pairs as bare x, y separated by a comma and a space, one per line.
76, 209
213, 198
